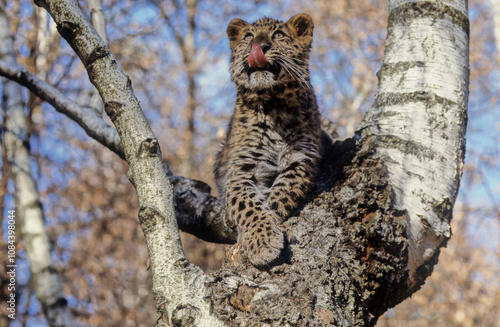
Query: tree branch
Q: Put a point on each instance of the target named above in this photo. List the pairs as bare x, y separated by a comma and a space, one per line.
178, 36
97, 18
91, 122
178, 286
197, 212
99, 23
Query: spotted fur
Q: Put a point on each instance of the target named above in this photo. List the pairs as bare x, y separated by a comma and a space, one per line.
270, 156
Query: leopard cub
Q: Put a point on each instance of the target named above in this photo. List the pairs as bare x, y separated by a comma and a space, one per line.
270, 155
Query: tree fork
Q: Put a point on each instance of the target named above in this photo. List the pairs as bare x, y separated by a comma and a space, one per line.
371, 233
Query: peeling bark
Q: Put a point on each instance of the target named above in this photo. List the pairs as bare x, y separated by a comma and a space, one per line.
419, 117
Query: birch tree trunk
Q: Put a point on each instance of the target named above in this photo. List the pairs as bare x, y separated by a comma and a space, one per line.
372, 234
28, 211
371, 231
419, 117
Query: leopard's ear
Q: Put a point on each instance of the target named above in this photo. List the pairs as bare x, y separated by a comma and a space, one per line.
234, 31
301, 26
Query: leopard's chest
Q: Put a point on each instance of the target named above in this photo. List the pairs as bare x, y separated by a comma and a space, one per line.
269, 149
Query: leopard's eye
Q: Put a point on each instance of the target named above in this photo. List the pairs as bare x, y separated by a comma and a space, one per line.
278, 35
248, 37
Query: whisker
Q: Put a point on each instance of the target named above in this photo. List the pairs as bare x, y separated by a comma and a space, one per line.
295, 71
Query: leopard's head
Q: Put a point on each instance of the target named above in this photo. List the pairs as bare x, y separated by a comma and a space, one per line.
269, 53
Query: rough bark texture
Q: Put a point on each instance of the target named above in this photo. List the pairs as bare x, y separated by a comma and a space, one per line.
28, 211
199, 213
348, 263
369, 234
372, 235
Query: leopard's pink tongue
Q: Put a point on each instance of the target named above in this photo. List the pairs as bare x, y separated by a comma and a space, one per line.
256, 57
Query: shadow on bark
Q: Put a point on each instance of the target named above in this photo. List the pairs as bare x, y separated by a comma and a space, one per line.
348, 258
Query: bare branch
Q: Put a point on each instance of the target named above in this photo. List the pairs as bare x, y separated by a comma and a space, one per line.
178, 36
97, 18
178, 286
99, 23
197, 212
91, 122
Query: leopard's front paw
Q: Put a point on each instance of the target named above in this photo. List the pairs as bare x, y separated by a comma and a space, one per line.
263, 241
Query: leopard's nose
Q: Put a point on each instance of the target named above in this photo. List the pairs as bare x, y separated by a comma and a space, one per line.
265, 46
263, 41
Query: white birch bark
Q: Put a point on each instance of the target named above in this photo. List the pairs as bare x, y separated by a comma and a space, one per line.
97, 18
419, 116
29, 212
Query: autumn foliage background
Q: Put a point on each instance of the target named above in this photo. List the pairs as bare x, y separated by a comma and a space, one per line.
184, 88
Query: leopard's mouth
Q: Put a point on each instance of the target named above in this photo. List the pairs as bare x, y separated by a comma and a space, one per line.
265, 77
274, 69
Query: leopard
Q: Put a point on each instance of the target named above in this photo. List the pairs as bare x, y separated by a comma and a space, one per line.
269, 158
